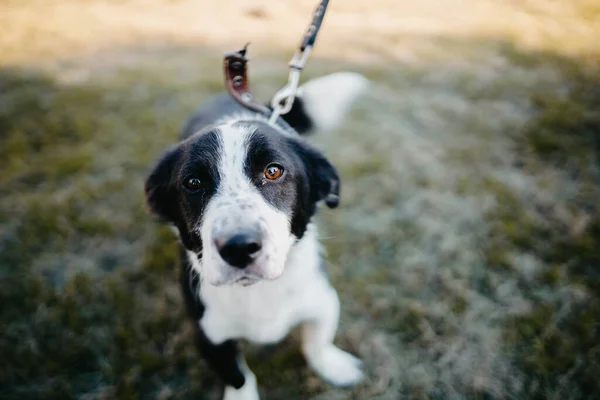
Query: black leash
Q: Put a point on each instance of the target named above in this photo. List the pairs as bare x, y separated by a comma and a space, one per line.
236, 72
313, 29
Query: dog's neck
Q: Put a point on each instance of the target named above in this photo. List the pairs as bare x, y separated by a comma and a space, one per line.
304, 251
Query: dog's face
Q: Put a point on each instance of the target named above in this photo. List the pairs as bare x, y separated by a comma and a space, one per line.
240, 195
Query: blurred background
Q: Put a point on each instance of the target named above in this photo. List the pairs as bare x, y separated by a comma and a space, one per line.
466, 250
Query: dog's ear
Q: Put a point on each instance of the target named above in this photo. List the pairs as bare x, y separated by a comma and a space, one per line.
324, 180
161, 193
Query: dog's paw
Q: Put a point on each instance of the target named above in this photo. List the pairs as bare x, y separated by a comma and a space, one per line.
247, 392
337, 367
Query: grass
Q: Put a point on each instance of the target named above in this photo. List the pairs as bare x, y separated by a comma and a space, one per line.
72, 326
465, 250
558, 340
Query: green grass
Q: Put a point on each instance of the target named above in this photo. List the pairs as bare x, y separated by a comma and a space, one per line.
70, 324
558, 342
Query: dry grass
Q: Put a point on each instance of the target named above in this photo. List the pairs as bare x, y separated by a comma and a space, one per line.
465, 250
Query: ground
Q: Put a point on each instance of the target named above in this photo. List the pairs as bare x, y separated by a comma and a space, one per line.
465, 250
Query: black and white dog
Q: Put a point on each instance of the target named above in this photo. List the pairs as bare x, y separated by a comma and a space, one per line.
240, 194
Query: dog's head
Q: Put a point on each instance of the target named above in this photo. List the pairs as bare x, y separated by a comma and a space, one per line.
240, 194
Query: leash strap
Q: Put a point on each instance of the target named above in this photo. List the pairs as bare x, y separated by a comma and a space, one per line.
315, 25
236, 81
284, 99
236, 72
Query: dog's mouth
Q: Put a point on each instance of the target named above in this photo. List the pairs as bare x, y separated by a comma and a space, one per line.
250, 276
259, 269
246, 281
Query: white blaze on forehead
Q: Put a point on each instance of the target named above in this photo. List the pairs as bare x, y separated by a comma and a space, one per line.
234, 145
237, 207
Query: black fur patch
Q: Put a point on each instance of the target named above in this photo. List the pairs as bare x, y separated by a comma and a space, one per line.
197, 157
297, 117
223, 357
308, 178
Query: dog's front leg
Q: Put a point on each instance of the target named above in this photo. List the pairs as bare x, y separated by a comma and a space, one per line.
332, 364
228, 362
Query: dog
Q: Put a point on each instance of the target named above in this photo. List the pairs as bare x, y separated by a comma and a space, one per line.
241, 194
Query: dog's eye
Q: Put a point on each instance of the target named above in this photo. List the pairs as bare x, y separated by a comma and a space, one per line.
192, 184
273, 171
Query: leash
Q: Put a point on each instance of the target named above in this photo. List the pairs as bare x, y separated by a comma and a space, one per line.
236, 73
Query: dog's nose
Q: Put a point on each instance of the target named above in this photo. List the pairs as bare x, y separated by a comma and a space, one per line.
239, 250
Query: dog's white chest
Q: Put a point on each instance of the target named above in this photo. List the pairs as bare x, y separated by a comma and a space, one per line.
260, 313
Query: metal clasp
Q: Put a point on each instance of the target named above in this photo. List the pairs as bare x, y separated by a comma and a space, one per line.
284, 99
